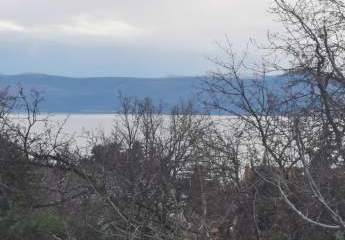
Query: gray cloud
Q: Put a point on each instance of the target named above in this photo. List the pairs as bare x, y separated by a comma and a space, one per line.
152, 27
79, 25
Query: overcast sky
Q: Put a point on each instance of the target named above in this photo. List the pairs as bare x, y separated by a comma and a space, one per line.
124, 37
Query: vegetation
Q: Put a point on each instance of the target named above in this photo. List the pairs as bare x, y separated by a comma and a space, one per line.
275, 171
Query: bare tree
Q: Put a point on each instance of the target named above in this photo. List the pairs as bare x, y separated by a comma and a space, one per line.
295, 122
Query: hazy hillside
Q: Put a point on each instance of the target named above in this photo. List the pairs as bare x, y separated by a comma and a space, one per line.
77, 95
100, 94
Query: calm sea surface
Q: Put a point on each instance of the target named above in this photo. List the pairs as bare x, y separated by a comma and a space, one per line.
84, 128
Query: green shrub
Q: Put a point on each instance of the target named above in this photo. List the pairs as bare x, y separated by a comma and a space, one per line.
17, 225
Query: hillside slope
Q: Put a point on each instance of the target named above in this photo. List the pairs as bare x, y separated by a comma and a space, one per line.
95, 95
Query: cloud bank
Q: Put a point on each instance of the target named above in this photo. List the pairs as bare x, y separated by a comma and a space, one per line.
116, 37
80, 25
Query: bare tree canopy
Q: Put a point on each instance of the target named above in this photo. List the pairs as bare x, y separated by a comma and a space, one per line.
272, 170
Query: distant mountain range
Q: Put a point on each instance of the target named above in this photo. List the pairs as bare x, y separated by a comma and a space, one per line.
100, 94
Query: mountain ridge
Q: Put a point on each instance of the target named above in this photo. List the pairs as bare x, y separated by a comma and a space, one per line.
100, 94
